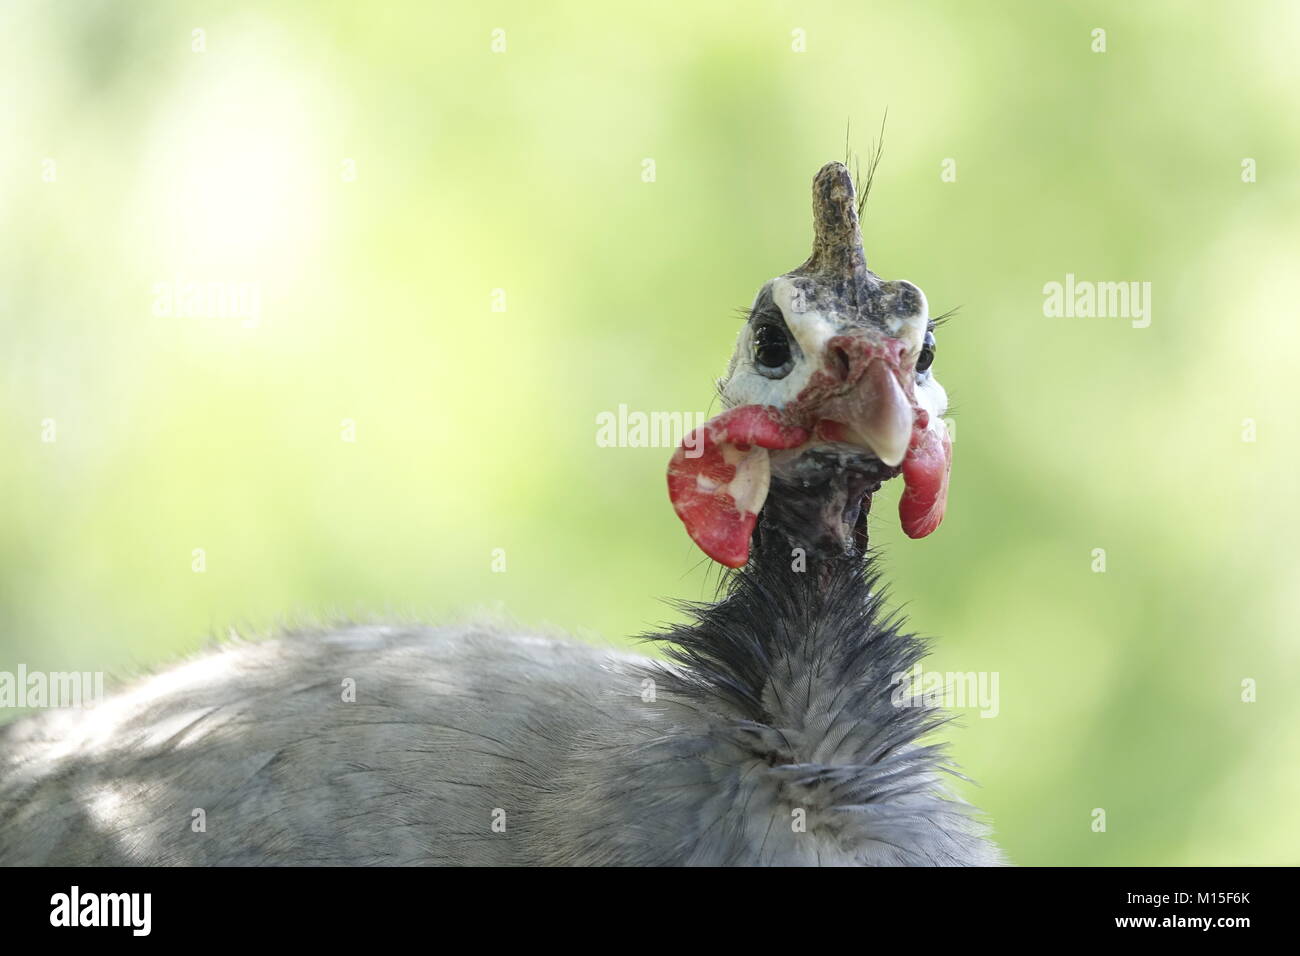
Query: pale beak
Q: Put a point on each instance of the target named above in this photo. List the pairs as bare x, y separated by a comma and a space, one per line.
875, 414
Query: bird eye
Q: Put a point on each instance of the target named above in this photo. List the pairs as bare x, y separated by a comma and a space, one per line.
926, 358
772, 350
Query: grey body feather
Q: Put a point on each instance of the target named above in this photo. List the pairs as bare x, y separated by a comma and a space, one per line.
579, 756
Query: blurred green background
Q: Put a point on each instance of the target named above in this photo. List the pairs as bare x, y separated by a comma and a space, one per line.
377, 171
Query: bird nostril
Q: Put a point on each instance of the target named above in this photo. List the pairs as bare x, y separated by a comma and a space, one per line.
840, 362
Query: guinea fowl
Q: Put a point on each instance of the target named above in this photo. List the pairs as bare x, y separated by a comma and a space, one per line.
771, 735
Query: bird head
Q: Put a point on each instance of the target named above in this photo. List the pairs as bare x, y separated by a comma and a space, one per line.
832, 377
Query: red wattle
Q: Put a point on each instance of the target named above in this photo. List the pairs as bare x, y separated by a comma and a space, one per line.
925, 482
717, 479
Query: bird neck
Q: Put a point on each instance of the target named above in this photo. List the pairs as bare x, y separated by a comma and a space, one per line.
815, 518
804, 682
803, 621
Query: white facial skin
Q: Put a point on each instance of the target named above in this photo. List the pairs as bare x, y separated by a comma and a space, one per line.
811, 330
